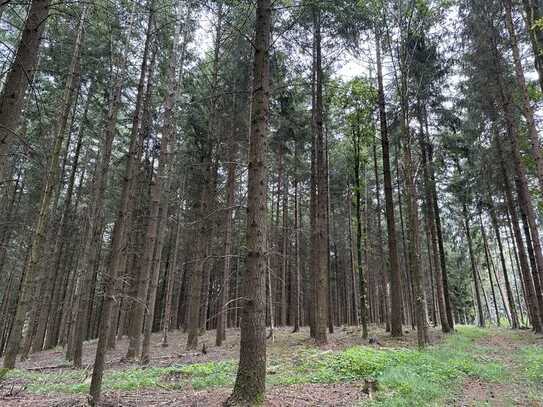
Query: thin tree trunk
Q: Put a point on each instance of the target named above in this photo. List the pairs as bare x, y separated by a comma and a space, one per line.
271, 308
488, 266
441, 246
511, 248
467, 230
295, 275
383, 274
230, 201
508, 290
172, 274
352, 303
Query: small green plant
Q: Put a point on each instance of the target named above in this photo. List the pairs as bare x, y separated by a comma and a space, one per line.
3, 373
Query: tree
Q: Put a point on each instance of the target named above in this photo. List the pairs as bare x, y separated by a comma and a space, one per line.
250, 381
395, 275
38, 238
18, 78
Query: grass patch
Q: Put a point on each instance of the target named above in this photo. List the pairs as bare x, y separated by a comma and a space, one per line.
65, 381
198, 376
531, 358
406, 376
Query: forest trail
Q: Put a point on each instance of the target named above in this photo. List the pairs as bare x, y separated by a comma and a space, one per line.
473, 367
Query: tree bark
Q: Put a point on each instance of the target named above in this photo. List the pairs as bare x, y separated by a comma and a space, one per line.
530, 293
508, 290
441, 246
17, 80
395, 274
250, 381
527, 108
118, 245
230, 201
160, 191
414, 245
489, 268
521, 182
295, 273
433, 234
467, 230
320, 252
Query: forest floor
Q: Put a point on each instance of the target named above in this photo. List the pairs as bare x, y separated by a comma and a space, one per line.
472, 367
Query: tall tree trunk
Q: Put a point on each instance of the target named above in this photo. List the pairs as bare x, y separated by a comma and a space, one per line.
512, 251
414, 245
158, 212
38, 240
433, 234
95, 219
146, 242
395, 273
197, 313
383, 274
170, 278
467, 230
521, 182
489, 268
358, 216
441, 246
160, 192
351, 286
284, 253
250, 381
17, 80
231, 166
408, 291
295, 273
321, 283
530, 293
47, 301
118, 244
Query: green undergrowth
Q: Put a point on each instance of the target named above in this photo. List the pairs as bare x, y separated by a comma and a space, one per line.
531, 360
405, 376
197, 376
